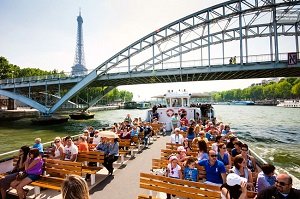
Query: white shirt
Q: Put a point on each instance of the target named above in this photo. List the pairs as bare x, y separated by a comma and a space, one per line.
174, 173
70, 151
176, 139
96, 140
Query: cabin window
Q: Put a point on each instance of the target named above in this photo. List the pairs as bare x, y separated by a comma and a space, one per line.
185, 102
176, 102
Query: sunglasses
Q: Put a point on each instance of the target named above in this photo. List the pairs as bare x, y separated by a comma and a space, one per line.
213, 156
281, 183
57, 141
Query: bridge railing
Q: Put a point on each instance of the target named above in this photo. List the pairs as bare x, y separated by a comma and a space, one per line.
162, 65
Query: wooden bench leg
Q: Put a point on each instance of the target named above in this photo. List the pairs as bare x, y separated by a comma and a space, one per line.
37, 191
131, 153
93, 179
122, 158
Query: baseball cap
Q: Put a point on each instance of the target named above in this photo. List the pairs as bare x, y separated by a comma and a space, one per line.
173, 157
181, 148
234, 179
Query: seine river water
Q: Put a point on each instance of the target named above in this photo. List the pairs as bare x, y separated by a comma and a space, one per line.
272, 132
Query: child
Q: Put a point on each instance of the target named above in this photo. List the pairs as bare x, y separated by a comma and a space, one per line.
173, 170
190, 172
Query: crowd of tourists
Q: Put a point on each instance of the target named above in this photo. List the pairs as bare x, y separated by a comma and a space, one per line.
226, 160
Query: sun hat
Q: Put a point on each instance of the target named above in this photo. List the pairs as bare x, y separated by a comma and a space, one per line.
177, 129
173, 157
181, 148
234, 179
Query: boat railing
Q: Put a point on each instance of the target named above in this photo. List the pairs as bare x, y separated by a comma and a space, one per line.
9, 155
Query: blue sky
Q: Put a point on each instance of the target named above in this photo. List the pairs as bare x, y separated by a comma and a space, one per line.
42, 34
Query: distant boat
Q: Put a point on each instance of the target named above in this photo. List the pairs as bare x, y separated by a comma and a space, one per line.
82, 116
143, 105
242, 103
130, 105
49, 120
289, 104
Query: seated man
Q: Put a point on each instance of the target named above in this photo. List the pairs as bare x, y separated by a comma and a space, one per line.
177, 138
282, 189
215, 169
70, 150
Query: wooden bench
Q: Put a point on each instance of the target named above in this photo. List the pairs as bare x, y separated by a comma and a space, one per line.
156, 129
163, 163
125, 148
165, 153
54, 174
178, 187
91, 156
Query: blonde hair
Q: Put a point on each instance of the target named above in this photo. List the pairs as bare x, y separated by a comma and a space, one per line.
74, 187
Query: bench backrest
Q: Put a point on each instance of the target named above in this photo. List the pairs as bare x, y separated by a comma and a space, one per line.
91, 156
62, 168
165, 153
178, 187
124, 142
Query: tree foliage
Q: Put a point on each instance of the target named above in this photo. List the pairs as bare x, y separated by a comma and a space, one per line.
286, 88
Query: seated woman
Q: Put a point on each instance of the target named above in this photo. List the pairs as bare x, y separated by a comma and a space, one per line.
251, 163
181, 156
219, 140
191, 135
240, 168
186, 146
235, 187
266, 177
113, 155
33, 169
20, 166
58, 149
125, 134
224, 156
202, 154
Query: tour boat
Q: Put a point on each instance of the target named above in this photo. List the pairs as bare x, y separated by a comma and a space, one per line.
180, 102
241, 103
143, 105
130, 105
289, 103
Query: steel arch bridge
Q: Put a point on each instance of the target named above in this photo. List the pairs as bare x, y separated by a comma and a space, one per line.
168, 54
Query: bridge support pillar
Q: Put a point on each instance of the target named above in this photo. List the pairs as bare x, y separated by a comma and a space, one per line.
11, 105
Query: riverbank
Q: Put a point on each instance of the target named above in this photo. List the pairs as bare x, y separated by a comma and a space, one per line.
20, 112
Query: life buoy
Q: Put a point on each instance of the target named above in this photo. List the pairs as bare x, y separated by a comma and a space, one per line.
170, 112
180, 111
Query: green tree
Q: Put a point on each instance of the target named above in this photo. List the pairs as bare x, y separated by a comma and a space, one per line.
283, 89
269, 91
296, 90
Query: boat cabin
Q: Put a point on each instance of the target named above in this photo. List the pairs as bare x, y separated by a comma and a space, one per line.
179, 102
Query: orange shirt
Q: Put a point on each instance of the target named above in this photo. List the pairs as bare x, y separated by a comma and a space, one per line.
83, 146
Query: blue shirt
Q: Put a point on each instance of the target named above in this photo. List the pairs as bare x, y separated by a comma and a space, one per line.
103, 147
213, 173
191, 174
114, 149
225, 159
38, 146
134, 133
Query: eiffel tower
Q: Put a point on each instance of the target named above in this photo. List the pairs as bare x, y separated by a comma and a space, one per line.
79, 63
